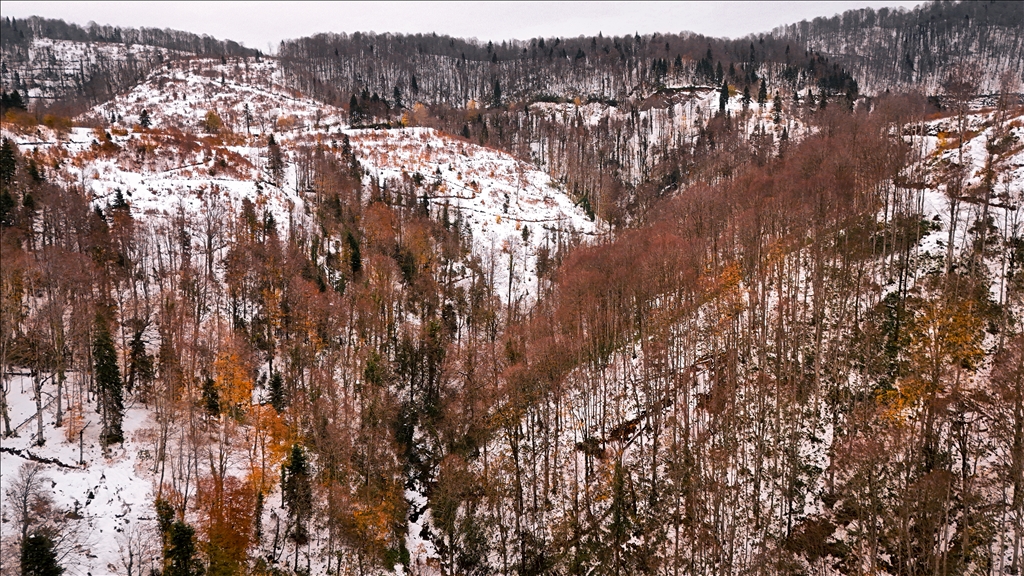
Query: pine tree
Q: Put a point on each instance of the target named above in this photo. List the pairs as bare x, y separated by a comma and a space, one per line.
497, 94
8, 164
762, 93
144, 119
16, 101
277, 396
180, 555
354, 113
211, 397
38, 557
7, 205
723, 97
275, 161
297, 492
355, 256
108, 383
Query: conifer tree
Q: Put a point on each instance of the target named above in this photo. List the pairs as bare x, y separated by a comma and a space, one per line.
108, 383
277, 396
297, 492
723, 97
180, 555
275, 161
497, 94
8, 165
762, 93
353, 109
39, 557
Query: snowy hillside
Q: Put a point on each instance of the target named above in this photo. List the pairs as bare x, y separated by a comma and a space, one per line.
105, 496
50, 68
414, 305
203, 156
511, 209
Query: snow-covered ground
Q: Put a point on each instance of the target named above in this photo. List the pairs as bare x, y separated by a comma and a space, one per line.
511, 209
182, 165
49, 63
107, 497
938, 143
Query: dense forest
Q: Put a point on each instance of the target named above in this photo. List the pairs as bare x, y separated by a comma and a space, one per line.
794, 346
913, 50
80, 67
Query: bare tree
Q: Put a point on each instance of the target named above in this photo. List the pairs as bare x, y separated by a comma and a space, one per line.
27, 498
139, 548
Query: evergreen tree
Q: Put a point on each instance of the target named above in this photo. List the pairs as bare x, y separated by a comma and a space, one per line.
746, 96
16, 101
762, 93
275, 161
180, 556
277, 396
38, 557
6, 208
497, 94
297, 492
8, 164
777, 109
353, 109
355, 256
144, 119
211, 397
140, 366
36, 173
108, 384
723, 97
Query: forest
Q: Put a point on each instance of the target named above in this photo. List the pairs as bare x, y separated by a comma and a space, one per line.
791, 342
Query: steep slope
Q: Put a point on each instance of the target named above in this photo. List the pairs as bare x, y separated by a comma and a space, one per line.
203, 165
47, 60
901, 50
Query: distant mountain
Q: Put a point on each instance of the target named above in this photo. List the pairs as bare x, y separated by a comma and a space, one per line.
902, 50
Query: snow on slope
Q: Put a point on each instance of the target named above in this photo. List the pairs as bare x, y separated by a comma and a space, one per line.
48, 65
672, 118
512, 209
180, 164
938, 142
181, 93
108, 499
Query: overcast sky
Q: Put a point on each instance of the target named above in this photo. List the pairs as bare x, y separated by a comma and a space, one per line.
263, 25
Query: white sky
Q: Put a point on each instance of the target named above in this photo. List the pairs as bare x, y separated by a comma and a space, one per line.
263, 25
